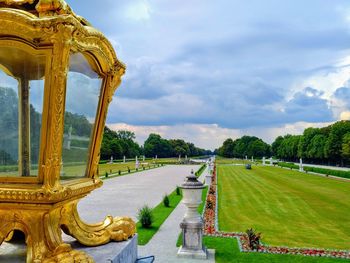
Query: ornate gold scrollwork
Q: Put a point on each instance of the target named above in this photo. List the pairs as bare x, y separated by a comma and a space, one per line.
111, 229
40, 207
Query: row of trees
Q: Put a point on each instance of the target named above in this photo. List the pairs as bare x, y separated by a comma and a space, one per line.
156, 145
245, 146
119, 144
122, 143
327, 145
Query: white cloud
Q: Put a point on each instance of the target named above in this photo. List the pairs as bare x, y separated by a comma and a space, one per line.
138, 10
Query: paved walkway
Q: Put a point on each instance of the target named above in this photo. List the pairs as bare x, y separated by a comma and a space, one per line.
326, 166
118, 196
163, 243
124, 195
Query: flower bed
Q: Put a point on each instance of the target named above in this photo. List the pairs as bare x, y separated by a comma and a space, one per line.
210, 229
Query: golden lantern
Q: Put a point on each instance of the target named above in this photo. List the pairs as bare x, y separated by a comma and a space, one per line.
57, 77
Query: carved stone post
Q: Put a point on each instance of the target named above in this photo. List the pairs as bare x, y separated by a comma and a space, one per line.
192, 224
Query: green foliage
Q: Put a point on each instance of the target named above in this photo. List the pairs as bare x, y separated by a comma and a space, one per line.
79, 123
145, 216
178, 190
253, 238
339, 173
119, 144
329, 145
227, 148
200, 171
346, 146
244, 146
160, 213
166, 200
156, 145
288, 165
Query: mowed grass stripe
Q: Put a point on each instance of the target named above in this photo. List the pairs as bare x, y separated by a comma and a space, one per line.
288, 207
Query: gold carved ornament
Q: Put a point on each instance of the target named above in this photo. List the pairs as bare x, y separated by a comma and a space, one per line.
40, 207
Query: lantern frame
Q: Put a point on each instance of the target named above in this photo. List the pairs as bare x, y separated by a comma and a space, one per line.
43, 205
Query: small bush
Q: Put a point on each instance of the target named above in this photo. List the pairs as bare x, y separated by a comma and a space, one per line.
106, 175
253, 239
209, 204
119, 172
145, 216
166, 201
178, 190
128, 169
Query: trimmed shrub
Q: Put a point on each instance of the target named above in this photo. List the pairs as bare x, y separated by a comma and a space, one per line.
106, 175
119, 172
166, 200
145, 216
339, 173
128, 169
178, 190
288, 165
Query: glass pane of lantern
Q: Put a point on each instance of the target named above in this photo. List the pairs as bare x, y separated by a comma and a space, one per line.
82, 95
21, 95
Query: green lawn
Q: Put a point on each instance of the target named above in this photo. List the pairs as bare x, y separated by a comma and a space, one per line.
222, 160
288, 207
160, 214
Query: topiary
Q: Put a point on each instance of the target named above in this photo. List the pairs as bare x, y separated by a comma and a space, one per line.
166, 201
145, 216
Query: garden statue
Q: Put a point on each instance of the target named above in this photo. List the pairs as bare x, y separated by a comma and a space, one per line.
301, 168
46, 49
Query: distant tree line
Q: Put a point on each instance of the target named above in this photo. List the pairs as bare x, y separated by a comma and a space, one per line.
245, 146
156, 145
119, 144
122, 143
327, 145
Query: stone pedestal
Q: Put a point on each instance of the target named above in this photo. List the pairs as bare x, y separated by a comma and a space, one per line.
208, 179
192, 223
192, 236
301, 168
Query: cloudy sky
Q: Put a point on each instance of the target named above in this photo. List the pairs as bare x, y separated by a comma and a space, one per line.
207, 70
